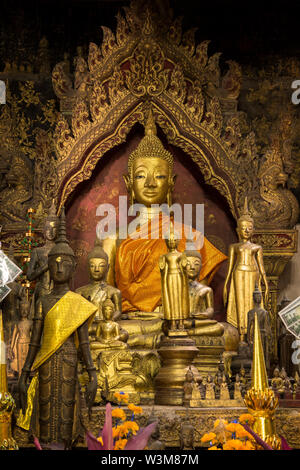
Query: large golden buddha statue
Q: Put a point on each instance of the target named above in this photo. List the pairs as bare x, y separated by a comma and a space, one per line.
134, 262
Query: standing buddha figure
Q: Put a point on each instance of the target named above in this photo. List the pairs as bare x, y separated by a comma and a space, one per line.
38, 269
246, 268
174, 285
134, 262
21, 337
60, 326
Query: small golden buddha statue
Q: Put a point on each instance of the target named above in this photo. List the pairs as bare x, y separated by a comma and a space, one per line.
246, 268
210, 389
98, 290
21, 337
188, 387
174, 285
277, 382
196, 394
134, 262
109, 334
201, 301
237, 388
224, 392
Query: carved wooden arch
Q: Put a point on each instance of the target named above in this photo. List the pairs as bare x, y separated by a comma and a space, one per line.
142, 66
198, 143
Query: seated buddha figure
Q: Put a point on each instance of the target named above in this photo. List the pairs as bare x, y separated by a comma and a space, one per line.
109, 334
97, 291
201, 300
111, 355
134, 261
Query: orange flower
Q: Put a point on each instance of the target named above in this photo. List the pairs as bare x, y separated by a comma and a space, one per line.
249, 445
137, 410
120, 444
231, 427
121, 396
116, 431
208, 437
213, 448
247, 418
100, 440
118, 413
242, 433
233, 444
128, 426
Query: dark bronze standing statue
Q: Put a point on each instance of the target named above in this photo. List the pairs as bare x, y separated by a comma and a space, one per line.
61, 318
38, 269
264, 326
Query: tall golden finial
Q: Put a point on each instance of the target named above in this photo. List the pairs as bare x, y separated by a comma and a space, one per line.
7, 403
260, 399
259, 372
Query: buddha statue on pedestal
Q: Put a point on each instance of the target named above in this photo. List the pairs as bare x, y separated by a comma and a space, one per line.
108, 333
60, 325
246, 268
201, 301
111, 355
134, 262
264, 326
174, 286
97, 291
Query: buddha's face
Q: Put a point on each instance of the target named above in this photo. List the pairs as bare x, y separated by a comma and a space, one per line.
257, 298
245, 230
187, 435
151, 181
98, 268
193, 267
24, 309
107, 312
50, 231
61, 268
172, 243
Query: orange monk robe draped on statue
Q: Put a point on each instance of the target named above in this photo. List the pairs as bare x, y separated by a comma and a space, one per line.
137, 271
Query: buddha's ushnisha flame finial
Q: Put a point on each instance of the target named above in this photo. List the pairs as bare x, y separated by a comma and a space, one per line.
259, 379
150, 146
62, 246
245, 214
150, 127
52, 216
98, 251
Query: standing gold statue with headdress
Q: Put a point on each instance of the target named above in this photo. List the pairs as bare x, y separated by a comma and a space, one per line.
174, 285
246, 268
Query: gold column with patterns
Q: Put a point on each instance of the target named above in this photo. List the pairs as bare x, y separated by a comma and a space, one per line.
7, 403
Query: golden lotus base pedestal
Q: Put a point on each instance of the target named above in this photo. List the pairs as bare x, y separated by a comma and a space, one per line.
210, 353
177, 354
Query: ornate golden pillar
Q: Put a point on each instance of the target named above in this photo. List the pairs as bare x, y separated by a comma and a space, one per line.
279, 246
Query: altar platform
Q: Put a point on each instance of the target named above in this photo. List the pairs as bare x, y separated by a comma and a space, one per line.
170, 418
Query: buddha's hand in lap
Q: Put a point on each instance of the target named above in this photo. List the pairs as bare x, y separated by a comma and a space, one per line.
144, 315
